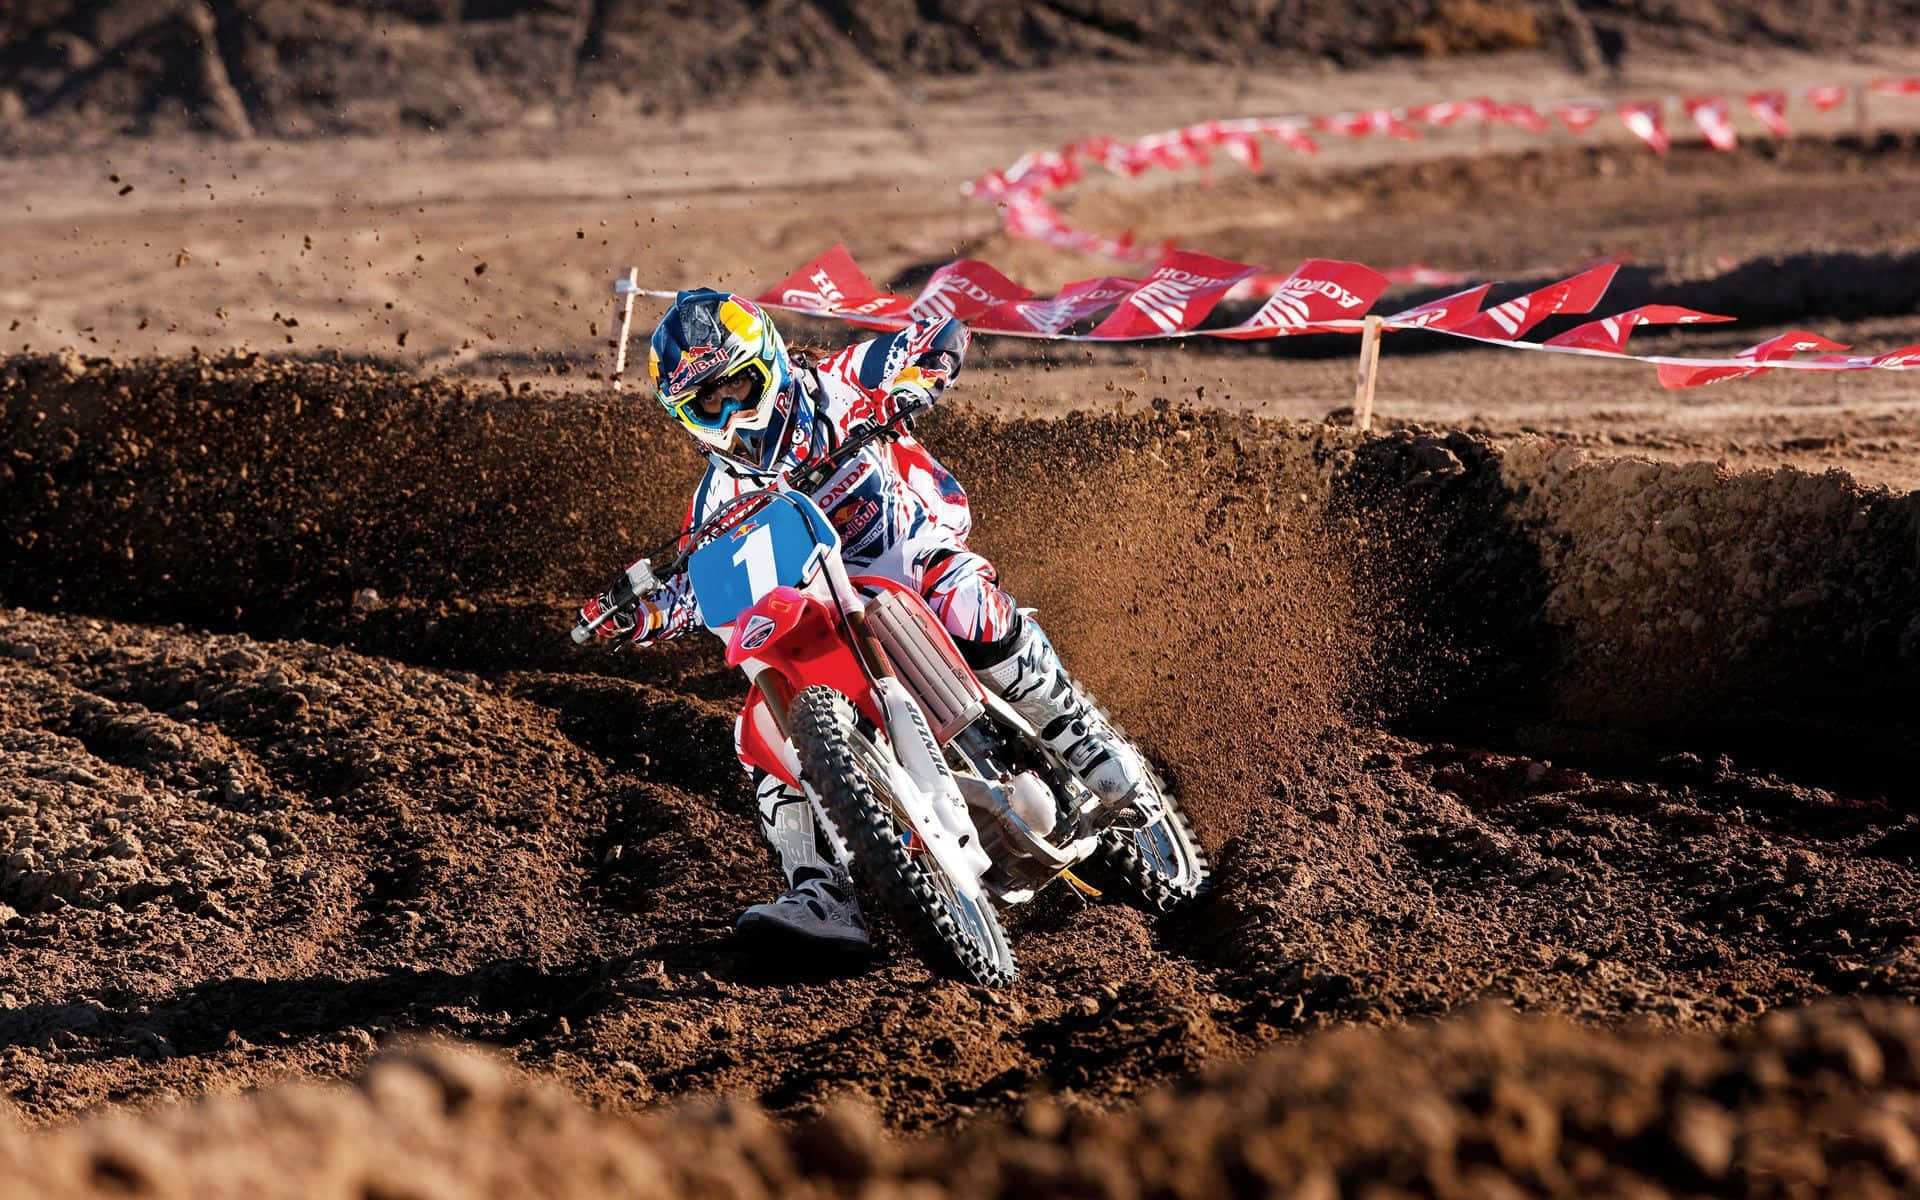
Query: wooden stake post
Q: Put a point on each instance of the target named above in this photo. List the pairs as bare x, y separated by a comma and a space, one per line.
1369, 371
626, 327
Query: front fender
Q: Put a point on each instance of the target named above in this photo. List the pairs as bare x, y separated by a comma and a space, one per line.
799, 638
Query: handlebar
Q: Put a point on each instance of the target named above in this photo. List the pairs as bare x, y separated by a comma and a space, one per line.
642, 579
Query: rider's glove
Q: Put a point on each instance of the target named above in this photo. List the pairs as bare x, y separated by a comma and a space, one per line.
619, 623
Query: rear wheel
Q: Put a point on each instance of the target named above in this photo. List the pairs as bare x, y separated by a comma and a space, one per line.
847, 771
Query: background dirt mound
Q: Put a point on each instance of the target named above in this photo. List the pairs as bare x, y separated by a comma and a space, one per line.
241, 66
1369, 664
1813, 1103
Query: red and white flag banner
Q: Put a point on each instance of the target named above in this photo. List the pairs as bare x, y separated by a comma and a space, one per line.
1770, 109
1825, 97
1177, 296
1319, 291
1909, 86
1710, 114
1045, 318
1289, 134
964, 290
1318, 296
1786, 345
1610, 333
1520, 116
1515, 317
1445, 314
1579, 115
1647, 120
834, 285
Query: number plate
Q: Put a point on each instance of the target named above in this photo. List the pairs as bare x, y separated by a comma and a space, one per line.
781, 545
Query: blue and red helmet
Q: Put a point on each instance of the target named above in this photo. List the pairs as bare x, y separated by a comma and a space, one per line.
708, 338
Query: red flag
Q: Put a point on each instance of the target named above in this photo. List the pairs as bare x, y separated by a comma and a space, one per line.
1171, 150
1289, 133
1647, 121
1244, 147
1448, 111
1448, 312
1512, 319
1353, 124
1611, 333
1520, 116
1387, 121
1826, 96
1770, 109
1578, 115
1179, 293
834, 283
965, 289
1710, 114
1675, 376
1320, 289
1076, 302
1909, 86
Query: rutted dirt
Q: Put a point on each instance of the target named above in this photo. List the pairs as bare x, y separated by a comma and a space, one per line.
1811, 1103
235, 855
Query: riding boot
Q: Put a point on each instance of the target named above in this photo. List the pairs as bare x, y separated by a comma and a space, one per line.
819, 902
1031, 679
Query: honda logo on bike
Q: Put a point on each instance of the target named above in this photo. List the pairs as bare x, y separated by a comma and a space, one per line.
755, 635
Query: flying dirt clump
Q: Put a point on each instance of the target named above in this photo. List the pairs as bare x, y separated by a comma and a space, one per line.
1819, 1102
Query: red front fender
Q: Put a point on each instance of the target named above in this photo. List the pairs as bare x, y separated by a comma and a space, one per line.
802, 640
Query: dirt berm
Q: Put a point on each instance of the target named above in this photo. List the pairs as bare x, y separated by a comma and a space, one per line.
1822, 1102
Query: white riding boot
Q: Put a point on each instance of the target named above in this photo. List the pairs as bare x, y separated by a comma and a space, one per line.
1032, 680
818, 903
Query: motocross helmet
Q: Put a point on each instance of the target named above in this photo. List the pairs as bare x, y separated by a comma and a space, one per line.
709, 338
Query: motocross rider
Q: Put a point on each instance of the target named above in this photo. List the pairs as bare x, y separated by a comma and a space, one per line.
720, 368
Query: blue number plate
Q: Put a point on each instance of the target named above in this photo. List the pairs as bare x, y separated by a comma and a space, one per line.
781, 545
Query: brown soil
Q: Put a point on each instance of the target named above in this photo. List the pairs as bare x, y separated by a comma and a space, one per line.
1449, 753
1821, 1102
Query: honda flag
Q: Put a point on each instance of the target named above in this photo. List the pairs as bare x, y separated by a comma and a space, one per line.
1786, 345
1318, 291
965, 289
1076, 302
1710, 114
1770, 109
834, 284
1178, 295
1610, 333
1647, 121
1504, 322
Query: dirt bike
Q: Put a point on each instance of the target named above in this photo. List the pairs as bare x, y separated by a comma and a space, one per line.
941, 798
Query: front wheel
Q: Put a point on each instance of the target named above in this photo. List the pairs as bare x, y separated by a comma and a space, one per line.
1149, 856
847, 772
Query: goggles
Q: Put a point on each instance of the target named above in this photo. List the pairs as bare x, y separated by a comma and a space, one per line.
687, 405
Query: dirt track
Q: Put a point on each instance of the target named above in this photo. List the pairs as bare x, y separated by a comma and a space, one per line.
1561, 692
235, 857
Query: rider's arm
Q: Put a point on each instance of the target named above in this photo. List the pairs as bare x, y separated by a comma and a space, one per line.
913, 364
